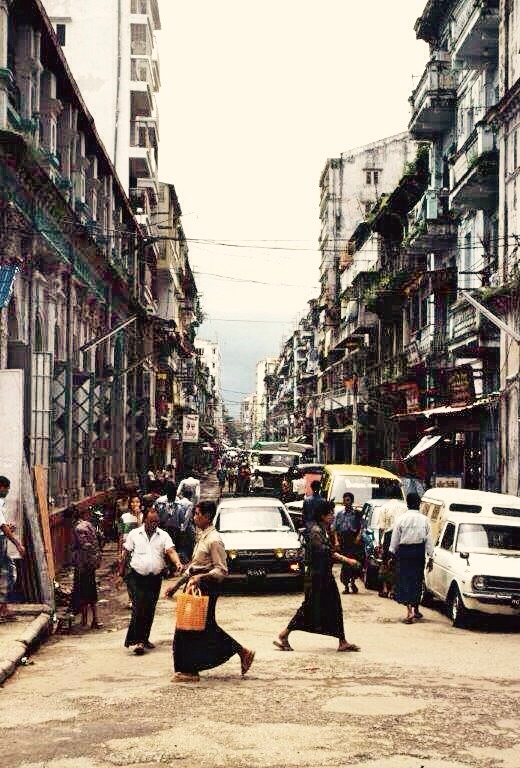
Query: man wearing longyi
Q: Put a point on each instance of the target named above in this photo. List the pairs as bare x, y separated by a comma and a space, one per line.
193, 650
147, 550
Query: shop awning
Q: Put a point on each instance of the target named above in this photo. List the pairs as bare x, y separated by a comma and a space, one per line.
447, 410
424, 444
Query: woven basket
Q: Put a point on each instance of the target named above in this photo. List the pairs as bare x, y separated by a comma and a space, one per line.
192, 610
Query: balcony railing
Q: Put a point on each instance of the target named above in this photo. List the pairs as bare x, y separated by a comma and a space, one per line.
475, 32
467, 323
430, 224
433, 101
474, 171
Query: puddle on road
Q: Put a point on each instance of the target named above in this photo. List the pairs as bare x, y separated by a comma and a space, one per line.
375, 705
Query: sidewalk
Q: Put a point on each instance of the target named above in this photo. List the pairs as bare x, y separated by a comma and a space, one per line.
19, 638
33, 624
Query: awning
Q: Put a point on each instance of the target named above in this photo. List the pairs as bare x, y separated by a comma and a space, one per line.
424, 444
447, 410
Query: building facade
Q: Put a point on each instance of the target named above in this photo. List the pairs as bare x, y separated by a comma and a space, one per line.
211, 356
77, 276
419, 326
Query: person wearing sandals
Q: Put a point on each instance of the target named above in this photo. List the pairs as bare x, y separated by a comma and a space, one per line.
86, 558
321, 611
146, 552
6, 534
194, 651
410, 543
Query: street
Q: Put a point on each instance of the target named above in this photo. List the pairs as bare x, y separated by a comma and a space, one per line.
425, 695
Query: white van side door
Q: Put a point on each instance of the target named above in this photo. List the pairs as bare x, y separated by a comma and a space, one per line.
443, 555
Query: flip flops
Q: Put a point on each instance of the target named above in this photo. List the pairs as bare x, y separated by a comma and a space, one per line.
350, 647
283, 645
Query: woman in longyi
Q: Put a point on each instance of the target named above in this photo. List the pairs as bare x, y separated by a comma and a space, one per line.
193, 650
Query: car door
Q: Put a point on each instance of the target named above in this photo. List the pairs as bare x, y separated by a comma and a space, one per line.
443, 554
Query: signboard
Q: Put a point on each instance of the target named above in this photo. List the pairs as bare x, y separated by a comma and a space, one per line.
461, 388
447, 481
190, 428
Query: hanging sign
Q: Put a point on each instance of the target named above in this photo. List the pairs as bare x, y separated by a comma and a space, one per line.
190, 428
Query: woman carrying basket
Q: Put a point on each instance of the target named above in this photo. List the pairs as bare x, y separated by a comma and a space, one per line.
193, 650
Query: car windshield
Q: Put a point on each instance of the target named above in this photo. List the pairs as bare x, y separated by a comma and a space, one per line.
253, 519
363, 487
474, 537
274, 459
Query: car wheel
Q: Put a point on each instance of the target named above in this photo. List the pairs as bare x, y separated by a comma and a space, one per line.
457, 611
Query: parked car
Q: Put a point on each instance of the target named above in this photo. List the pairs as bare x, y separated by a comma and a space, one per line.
260, 539
475, 565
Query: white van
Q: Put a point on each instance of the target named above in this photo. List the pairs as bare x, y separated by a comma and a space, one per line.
476, 560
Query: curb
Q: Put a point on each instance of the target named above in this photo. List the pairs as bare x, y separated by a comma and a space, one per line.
22, 645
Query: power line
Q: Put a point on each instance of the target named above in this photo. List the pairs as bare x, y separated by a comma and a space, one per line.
256, 282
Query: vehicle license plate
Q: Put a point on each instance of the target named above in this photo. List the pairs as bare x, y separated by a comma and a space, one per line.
256, 573
515, 603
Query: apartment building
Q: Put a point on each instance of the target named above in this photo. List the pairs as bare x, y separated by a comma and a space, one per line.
74, 269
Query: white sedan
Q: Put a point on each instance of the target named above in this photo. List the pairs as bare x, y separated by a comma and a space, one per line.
260, 539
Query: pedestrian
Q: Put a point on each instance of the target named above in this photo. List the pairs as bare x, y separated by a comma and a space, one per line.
6, 564
189, 481
221, 477
184, 536
393, 506
286, 494
194, 651
321, 611
257, 482
243, 480
231, 478
347, 536
410, 543
310, 505
86, 559
146, 551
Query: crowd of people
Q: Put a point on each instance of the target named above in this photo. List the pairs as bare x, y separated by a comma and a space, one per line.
168, 530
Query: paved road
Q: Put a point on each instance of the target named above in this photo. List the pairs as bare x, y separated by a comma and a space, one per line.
416, 696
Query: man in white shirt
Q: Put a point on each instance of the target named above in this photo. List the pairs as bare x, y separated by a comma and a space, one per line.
389, 510
6, 534
146, 550
411, 541
194, 485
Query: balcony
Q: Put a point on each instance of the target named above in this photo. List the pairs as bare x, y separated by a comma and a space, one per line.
433, 101
389, 371
143, 164
430, 227
475, 33
358, 322
470, 333
474, 172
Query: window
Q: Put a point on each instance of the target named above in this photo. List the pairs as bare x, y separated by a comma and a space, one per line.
372, 176
60, 34
448, 537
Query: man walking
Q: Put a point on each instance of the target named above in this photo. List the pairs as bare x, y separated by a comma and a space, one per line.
146, 550
411, 541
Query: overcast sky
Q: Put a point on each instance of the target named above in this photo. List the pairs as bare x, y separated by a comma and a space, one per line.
255, 96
